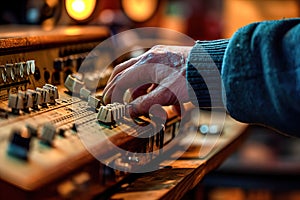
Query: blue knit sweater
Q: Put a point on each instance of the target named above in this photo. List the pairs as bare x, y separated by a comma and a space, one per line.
260, 73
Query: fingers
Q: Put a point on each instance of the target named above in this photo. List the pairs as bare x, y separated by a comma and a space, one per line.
160, 95
124, 65
171, 89
142, 90
121, 67
129, 78
134, 77
144, 73
118, 69
115, 76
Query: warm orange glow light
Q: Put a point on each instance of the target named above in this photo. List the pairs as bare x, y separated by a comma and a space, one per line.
80, 9
139, 10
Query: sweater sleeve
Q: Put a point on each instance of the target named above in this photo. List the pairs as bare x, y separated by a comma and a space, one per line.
260, 73
203, 73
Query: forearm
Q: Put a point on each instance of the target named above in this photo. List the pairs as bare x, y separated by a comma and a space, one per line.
260, 74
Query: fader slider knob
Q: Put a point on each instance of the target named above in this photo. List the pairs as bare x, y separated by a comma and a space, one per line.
48, 133
36, 98
45, 96
19, 144
54, 89
111, 113
15, 102
73, 84
53, 92
27, 100
85, 93
93, 102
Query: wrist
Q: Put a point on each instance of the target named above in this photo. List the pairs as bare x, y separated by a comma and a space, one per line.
203, 73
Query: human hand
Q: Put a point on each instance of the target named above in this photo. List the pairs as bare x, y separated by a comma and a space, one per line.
155, 77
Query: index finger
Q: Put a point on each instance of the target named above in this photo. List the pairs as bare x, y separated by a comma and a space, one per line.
130, 78
120, 67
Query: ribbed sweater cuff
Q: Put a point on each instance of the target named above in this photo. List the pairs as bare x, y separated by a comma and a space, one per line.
203, 73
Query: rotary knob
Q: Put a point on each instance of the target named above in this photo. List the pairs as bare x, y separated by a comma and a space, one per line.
58, 64
30, 67
3, 76
19, 72
10, 72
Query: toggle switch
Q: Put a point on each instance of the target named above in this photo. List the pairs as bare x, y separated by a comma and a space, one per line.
74, 127
69, 62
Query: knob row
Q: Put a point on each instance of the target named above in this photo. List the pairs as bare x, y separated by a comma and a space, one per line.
75, 86
20, 139
106, 113
12, 72
91, 80
23, 100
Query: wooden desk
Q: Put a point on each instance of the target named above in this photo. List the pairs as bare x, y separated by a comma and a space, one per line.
176, 177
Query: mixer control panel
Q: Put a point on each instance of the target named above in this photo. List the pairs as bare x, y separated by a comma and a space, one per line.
47, 109
54, 126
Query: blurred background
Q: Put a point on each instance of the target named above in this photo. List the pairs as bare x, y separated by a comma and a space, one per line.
267, 166
200, 19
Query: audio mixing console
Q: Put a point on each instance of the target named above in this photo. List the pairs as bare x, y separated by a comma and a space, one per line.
47, 109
